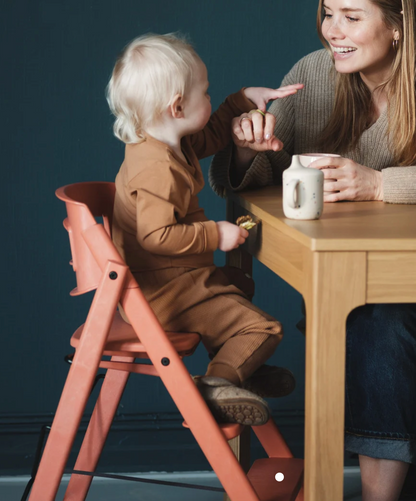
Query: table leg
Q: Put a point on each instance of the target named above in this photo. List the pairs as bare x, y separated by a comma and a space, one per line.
240, 445
335, 285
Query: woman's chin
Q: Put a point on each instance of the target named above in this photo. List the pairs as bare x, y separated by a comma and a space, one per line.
345, 67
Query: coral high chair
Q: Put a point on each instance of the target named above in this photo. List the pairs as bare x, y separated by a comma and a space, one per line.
98, 265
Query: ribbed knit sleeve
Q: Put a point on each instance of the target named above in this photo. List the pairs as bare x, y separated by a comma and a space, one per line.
399, 184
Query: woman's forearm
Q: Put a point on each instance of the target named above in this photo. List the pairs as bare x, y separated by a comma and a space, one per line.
242, 159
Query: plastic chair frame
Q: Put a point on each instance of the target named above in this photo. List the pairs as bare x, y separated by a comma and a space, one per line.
117, 285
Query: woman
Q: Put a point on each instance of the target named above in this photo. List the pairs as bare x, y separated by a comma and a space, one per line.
358, 101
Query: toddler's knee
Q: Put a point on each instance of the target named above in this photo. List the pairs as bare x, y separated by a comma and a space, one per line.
271, 343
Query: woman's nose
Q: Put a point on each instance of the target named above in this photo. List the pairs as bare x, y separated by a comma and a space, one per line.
334, 30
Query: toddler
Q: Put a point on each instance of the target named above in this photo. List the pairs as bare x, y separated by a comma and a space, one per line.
158, 93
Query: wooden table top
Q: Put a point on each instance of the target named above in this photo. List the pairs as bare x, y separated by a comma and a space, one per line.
344, 226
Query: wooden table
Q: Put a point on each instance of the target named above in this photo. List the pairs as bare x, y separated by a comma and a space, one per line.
357, 253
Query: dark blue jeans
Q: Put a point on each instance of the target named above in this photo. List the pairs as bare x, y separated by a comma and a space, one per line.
380, 392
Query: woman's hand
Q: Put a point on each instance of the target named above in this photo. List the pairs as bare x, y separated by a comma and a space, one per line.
255, 130
230, 236
344, 179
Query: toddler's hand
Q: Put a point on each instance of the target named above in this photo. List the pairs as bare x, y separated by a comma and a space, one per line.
230, 236
260, 96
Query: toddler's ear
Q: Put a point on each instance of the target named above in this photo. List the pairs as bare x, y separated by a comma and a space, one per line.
176, 107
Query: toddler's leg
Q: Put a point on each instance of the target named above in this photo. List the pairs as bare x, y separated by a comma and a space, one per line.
240, 336
241, 356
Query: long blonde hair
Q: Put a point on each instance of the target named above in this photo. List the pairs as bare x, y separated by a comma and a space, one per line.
353, 106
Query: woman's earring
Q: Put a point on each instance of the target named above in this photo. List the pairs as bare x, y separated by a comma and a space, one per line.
396, 44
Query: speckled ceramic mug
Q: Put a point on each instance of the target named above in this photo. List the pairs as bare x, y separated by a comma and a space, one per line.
307, 158
303, 191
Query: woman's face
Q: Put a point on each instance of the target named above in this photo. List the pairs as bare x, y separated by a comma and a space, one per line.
359, 39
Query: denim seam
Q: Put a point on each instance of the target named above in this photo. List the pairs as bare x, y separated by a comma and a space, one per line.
366, 434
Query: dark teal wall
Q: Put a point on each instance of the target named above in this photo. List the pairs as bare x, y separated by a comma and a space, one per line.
56, 129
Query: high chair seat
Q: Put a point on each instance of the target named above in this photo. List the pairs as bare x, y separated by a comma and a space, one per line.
122, 340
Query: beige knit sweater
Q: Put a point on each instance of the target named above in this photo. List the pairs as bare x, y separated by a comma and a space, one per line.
299, 120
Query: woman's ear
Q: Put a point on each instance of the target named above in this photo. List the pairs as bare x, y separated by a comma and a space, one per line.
176, 107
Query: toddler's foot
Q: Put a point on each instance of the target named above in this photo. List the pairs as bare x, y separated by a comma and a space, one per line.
231, 404
270, 382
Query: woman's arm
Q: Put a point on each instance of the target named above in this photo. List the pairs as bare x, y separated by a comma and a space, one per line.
345, 179
399, 185
348, 180
244, 162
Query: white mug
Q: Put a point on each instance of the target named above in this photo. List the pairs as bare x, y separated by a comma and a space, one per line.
303, 191
307, 158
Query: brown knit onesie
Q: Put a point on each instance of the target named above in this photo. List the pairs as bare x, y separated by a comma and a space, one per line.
168, 243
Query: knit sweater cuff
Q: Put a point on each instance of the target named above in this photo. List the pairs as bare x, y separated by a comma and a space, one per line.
399, 185
258, 174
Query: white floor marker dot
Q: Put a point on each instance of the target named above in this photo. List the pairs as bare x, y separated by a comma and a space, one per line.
279, 477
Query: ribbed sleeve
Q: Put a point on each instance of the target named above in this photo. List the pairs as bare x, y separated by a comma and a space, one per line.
400, 185
299, 121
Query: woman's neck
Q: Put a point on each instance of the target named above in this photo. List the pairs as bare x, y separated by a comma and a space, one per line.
378, 94
380, 102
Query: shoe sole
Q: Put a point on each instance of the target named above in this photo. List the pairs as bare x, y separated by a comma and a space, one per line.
239, 411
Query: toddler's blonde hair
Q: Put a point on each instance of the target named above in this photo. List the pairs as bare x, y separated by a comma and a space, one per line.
149, 72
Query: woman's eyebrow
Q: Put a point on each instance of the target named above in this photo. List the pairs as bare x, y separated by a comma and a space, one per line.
345, 9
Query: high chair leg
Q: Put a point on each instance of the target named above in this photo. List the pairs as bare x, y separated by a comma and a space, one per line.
187, 398
97, 432
78, 385
272, 440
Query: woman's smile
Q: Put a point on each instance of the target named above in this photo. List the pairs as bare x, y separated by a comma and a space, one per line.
342, 52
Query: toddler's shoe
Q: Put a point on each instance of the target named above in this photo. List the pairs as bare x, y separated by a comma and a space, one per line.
231, 404
270, 382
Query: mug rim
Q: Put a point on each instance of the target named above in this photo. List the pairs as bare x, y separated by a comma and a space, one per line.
319, 155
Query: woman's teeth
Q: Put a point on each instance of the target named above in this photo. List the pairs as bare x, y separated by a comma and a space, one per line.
343, 50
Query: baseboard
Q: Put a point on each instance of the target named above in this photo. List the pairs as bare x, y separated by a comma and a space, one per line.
137, 442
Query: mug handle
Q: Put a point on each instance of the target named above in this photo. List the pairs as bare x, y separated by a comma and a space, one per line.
292, 193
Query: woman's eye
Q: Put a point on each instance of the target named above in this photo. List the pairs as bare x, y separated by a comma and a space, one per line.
327, 16
352, 19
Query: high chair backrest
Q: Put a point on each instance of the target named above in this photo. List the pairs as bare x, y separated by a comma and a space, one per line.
85, 202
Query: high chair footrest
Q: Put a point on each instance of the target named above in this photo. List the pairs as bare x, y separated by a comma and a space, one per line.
229, 430
270, 486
